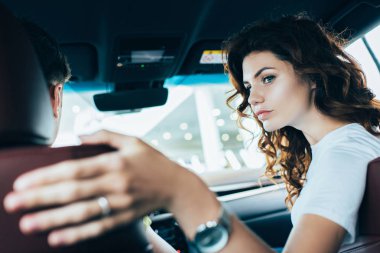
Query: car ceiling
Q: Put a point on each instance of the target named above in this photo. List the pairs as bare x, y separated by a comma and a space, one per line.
100, 23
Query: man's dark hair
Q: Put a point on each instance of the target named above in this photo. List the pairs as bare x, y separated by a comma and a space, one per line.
54, 64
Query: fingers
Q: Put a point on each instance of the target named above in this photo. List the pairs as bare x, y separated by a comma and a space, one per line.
71, 214
69, 170
80, 168
68, 191
93, 229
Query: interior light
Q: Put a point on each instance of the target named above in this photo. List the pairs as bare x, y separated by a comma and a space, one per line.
216, 112
220, 122
154, 142
183, 126
188, 136
167, 136
225, 137
239, 138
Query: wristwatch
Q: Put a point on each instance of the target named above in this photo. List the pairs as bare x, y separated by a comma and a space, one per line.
212, 236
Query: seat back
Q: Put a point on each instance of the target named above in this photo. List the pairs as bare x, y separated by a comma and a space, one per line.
26, 128
368, 240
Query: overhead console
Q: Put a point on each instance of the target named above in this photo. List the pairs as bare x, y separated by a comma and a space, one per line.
140, 67
145, 58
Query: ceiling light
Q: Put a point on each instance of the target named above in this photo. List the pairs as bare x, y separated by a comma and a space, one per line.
215, 112
183, 126
154, 142
188, 136
220, 122
167, 136
225, 137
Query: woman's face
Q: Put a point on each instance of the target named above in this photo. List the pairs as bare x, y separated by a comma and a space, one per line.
278, 96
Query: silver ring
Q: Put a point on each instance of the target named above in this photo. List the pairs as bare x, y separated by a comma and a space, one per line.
104, 205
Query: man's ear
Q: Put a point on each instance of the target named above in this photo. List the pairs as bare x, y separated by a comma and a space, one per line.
56, 99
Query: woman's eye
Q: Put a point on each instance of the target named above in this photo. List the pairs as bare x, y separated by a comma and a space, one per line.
268, 79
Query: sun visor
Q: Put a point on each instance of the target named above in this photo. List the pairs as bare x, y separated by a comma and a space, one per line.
205, 57
145, 58
83, 60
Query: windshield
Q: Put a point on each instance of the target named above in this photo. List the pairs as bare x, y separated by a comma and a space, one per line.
195, 127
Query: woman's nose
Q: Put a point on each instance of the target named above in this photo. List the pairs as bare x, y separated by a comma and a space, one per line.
255, 97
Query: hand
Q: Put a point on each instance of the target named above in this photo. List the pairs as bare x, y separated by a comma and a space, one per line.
136, 179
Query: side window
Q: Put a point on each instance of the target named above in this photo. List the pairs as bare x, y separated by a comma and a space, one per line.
367, 52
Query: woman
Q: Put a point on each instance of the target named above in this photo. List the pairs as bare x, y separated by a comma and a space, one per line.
319, 131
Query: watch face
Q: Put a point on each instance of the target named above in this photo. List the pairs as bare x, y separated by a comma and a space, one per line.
212, 237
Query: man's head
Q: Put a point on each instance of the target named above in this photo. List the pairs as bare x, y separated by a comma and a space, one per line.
53, 62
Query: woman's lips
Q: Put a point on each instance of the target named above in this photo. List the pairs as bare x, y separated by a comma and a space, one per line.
264, 115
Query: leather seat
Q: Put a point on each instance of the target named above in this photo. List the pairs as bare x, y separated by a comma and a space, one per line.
26, 128
369, 215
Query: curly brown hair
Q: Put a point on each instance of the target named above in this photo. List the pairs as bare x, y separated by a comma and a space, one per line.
318, 57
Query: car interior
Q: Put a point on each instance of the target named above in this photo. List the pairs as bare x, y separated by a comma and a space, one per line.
128, 60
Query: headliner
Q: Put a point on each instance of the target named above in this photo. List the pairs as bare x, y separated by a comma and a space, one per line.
100, 22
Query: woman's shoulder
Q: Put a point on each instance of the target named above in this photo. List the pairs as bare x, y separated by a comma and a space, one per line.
352, 140
360, 140
349, 151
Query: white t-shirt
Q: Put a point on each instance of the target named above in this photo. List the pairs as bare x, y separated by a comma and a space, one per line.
335, 181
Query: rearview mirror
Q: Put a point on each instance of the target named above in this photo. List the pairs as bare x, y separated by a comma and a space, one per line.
131, 99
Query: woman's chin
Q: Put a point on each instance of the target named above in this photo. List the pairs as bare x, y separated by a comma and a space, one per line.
269, 126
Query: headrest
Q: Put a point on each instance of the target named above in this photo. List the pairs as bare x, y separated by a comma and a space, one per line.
26, 116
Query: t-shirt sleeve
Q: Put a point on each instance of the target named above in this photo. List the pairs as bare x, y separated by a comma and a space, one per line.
338, 187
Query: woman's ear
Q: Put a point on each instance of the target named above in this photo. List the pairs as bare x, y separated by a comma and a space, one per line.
56, 99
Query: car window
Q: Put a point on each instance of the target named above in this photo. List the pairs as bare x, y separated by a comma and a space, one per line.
195, 127
360, 51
